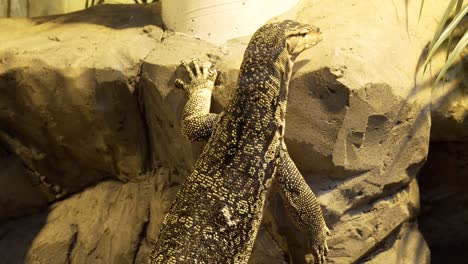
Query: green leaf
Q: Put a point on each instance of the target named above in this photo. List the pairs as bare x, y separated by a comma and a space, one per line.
455, 53
442, 23
448, 30
439, 29
420, 10
449, 44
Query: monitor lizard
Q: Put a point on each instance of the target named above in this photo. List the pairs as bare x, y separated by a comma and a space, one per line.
217, 212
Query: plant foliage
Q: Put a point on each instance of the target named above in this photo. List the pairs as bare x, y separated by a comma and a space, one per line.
444, 32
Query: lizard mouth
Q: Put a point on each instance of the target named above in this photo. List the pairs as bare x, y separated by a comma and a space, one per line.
302, 40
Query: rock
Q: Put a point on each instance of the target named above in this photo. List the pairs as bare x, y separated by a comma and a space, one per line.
358, 233
266, 250
107, 223
98, 103
406, 246
68, 106
449, 101
163, 103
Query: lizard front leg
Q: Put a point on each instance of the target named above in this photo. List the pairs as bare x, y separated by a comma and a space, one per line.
197, 121
302, 207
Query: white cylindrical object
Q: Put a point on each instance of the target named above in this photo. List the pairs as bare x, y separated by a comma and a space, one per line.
219, 20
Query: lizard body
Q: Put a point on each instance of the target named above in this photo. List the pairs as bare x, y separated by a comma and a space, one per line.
217, 212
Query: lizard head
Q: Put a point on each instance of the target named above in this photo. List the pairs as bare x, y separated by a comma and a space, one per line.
271, 53
300, 37
288, 37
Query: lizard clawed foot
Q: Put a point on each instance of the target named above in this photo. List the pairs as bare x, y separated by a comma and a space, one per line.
318, 256
319, 249
201, 76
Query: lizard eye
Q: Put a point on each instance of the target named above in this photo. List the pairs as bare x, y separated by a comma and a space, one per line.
304, 32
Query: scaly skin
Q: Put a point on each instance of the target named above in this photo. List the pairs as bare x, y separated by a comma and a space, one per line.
216, 215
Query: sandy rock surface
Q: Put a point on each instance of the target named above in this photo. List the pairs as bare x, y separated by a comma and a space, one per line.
106, 223
93, 99
406, 246
68, 105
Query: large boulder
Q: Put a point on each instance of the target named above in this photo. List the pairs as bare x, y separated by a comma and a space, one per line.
94, 100
68, 107
106, 223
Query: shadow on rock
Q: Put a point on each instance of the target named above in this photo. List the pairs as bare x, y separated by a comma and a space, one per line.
16, 237
75, 127
116, 16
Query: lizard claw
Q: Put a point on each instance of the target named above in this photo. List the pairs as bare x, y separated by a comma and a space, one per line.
188, 69
319, 249
196, 67
202, 76
181, 84
318, 256
212, 74
206, 66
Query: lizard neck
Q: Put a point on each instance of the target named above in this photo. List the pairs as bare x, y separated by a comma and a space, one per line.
263, 86
286, 71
